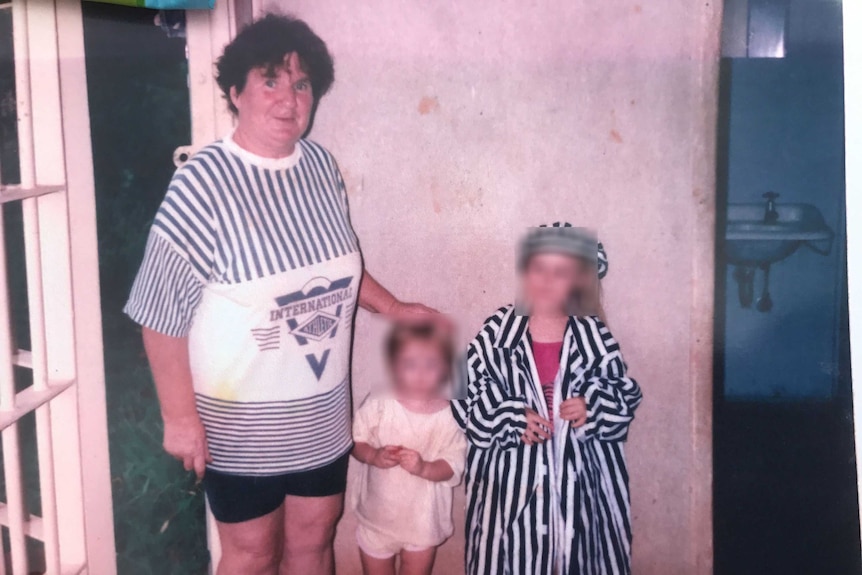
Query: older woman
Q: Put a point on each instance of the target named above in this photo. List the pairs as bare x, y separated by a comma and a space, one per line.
246, 297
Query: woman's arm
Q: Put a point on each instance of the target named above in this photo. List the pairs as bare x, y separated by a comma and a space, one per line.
184, 435
377, 299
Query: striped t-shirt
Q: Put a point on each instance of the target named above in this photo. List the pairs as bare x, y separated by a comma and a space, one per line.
255, 261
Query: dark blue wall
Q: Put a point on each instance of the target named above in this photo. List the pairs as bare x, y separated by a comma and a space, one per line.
787, 135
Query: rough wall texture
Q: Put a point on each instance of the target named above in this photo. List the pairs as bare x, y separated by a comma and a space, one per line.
458, 124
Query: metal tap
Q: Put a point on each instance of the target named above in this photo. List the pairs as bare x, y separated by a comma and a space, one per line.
770, 216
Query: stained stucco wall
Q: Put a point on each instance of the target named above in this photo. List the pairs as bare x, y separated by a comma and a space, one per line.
457, 124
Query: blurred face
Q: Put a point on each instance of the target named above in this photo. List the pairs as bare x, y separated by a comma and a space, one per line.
274, 108
420, 369
550, 280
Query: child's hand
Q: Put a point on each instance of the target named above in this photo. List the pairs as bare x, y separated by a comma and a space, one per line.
538, 428
411, 461
574, 410
386, 457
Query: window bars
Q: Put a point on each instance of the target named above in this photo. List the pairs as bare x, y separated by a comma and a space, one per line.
75, 526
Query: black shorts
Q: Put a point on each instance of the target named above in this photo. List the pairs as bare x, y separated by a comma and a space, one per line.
238, 498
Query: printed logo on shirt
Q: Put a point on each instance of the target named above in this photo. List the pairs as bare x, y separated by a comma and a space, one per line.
312, 314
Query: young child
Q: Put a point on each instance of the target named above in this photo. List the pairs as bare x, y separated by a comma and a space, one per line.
413, 455
547, 411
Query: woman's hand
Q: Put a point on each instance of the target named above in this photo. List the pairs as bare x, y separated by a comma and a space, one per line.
411, 462
574, 410
386, 457
407, 312
184, 435
538, 428
186, 439
377, 299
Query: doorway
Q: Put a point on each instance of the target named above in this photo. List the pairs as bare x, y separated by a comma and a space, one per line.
785, 492
137, 76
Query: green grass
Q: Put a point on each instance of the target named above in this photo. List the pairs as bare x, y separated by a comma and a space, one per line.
158, 508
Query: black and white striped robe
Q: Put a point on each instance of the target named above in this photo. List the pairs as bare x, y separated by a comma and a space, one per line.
564, 502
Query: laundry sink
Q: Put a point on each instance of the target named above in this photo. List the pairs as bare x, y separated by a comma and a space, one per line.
751, 240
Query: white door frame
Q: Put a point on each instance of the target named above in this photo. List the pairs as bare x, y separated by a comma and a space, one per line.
207, 33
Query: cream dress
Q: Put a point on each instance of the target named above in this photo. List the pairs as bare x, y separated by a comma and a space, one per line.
397, 510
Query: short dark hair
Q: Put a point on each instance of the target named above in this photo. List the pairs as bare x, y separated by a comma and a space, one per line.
427, 332
263, 44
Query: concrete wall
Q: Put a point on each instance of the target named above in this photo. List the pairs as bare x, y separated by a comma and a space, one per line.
458, 124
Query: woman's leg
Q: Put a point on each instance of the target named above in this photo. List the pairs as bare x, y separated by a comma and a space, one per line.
252, 547
309, 530
375, 566
417, 562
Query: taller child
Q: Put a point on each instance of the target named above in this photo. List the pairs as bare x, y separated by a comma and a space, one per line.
548, 408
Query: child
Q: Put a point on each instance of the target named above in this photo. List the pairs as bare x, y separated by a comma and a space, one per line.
547, 411
413, 455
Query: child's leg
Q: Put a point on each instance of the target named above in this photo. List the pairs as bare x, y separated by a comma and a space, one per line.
417, 562
375, 566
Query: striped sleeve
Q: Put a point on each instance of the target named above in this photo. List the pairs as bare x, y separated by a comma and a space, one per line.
611, 395
178, 261
341, 185
166, 292
489, 415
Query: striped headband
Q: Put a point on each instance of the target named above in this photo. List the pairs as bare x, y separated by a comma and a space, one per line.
563, 238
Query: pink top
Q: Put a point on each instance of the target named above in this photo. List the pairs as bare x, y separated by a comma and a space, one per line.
547, 356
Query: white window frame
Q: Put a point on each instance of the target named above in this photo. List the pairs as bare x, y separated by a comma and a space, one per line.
68, 391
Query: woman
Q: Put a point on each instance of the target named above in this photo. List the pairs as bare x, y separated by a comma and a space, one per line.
246, 297
547, 411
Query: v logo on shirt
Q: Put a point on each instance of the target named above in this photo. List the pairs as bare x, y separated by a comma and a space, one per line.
317, 366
